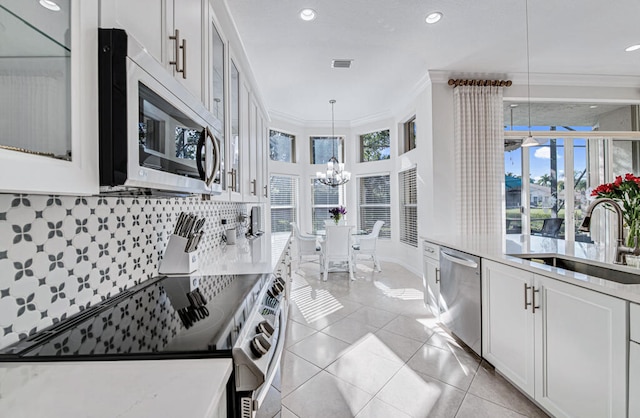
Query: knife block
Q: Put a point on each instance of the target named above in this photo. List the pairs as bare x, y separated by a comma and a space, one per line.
176, 260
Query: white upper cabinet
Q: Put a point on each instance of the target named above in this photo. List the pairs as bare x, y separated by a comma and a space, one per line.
48, 105
170, 30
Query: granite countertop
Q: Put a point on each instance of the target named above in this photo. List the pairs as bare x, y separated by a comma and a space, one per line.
149, 388
499, 250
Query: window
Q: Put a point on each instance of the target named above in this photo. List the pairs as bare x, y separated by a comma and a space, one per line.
284, 202
323, 198
408, 207
410, 134
375, 203
323, 148
282, 146
375, 146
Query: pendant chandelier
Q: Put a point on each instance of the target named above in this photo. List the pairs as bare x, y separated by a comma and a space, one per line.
335, 174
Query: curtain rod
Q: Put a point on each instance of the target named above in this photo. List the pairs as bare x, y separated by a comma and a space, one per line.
461, 82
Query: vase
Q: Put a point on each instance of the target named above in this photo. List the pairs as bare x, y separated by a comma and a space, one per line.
633, 234
336, 219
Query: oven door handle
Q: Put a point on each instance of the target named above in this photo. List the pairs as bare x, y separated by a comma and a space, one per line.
261, 392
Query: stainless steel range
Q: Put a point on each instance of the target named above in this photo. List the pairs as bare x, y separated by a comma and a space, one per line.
242, 317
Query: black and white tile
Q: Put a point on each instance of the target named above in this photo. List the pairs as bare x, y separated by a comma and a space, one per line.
61, 254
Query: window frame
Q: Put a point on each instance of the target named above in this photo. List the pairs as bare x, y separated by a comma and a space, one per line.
408, 237
387, 226
292, 160
340, 139
409, 134
295, 193
362, 147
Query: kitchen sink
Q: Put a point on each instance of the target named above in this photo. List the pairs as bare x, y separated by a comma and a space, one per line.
584, 267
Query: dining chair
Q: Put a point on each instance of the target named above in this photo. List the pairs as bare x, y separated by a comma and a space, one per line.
307, 245
366, 245
336, 248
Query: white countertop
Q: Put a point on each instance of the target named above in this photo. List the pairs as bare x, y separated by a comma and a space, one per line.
147, 388
499, 249
246, 256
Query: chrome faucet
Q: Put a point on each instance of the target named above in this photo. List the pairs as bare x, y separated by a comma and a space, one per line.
621, 249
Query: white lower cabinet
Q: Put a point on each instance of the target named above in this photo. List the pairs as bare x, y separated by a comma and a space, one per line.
634, 379
431, 277
563, 345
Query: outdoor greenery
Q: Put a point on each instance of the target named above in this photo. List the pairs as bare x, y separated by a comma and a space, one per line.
375, 146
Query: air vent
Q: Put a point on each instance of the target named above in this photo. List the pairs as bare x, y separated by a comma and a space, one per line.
341, 63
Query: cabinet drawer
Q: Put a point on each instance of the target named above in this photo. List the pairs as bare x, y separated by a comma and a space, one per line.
634, 322
430, 250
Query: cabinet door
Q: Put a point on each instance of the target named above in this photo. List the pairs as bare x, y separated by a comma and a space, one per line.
188, 20
128, 15
634, 379
48, 105
431, 282
508, 323
581, 351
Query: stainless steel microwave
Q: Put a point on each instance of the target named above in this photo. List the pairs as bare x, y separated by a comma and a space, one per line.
153, 134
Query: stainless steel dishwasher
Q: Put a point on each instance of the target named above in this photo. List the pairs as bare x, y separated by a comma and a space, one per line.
460, 296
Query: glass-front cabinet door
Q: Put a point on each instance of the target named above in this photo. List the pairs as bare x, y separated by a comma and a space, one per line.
48, 96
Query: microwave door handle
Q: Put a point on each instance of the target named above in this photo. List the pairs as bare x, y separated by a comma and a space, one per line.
215, 156
199, 148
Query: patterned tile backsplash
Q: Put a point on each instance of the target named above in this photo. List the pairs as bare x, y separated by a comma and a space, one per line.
61, 254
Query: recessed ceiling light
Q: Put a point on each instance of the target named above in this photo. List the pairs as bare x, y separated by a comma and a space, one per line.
513, 105
51, 5
632, 48
593, 106
433, 17
307, 14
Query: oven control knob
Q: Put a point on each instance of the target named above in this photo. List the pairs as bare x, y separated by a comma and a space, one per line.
280, 280
260, 345
275, 290
266, 328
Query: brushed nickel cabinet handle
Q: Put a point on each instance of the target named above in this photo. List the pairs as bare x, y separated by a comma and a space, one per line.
526, 302
253, 186
176, 49
184, 58
437, 276
266, 194
533, 299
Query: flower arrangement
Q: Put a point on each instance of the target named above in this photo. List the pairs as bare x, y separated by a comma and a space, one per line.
337, 213
626, 191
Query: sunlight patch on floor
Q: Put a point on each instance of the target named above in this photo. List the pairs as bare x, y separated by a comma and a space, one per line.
315, 304
406, 293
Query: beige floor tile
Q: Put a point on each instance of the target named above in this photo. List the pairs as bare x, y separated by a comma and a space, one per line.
489, 385
296, 332
401, 347
474, 407
455, 367
318, 308
270, 405
286, 413
325, 395
378, 409
349, 330
420, 396
373, 317
320, 349
364, 369
295, 371
414, 328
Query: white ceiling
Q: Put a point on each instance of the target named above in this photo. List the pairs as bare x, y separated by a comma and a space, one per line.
393, 48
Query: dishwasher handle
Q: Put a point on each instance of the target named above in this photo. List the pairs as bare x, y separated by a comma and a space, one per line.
459, 260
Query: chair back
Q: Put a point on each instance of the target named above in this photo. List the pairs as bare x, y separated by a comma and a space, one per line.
338, 241
294, 228
376, 229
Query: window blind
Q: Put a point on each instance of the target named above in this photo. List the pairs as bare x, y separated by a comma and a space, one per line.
375, 203
284, 202
408, 207
323, 198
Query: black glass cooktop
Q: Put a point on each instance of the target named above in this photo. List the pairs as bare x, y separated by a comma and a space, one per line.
201, 315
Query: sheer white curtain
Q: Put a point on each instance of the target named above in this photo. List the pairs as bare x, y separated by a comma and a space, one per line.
479, 146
